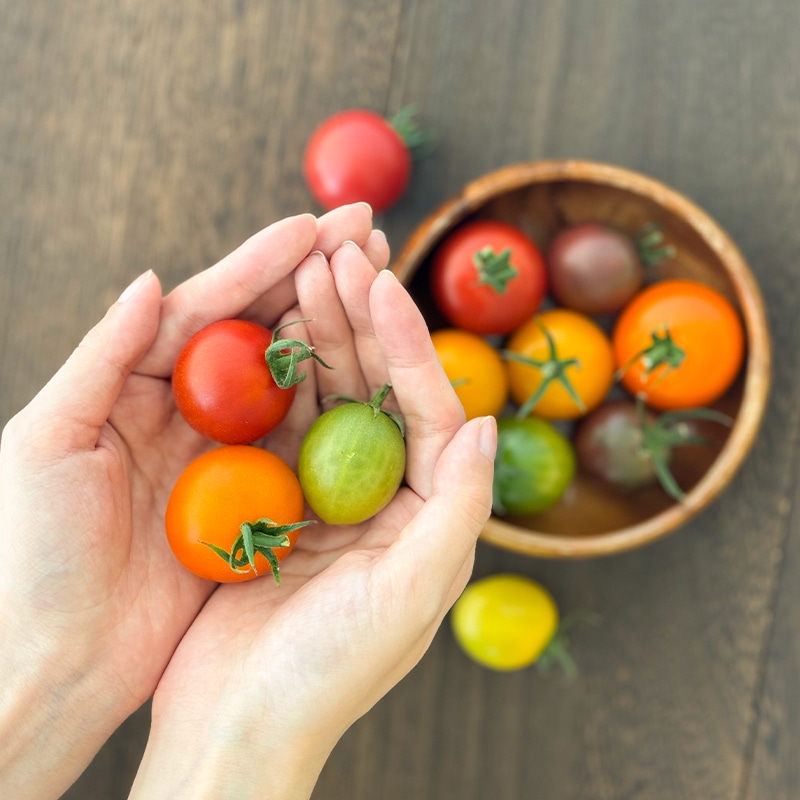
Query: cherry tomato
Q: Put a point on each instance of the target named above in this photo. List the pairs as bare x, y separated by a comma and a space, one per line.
234, 382
220, 492
357, 155
678, 344
505, 622
627, 446
352, 461
488, 277
594, 268
560, 364
535, 464
475, 369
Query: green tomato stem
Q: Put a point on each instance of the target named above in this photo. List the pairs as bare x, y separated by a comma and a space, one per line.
261, 536
494, 269
554, 369
283, 356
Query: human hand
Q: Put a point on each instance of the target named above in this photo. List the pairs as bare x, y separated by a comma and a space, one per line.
93, 604
268, 677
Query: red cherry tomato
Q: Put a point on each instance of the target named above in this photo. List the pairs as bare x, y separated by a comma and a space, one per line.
488, 277
355, 156
223, 385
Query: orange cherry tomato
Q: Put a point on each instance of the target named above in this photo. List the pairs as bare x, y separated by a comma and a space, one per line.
556, 349
475, 369
219, 491
698, 321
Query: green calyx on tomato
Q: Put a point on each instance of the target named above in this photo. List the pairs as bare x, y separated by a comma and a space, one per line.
651, 246
283, 356
668, 431
261, 536
418, 141
554, 369
495, 269
661, 352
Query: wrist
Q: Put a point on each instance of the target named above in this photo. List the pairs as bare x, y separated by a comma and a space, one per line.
228, 755
53, 720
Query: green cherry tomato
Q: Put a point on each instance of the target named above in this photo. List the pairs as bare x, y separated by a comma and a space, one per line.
534, 466
352, 461
505, 622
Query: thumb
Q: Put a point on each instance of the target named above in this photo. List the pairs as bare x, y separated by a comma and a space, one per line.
447, 527
78, 399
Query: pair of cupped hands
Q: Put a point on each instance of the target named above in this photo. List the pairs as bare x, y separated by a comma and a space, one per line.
252, 684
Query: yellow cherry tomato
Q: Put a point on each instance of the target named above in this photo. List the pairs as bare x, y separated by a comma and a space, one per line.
505, 622
475, 369
560, 364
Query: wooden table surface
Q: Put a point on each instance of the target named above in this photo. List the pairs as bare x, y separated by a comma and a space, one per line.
162, 134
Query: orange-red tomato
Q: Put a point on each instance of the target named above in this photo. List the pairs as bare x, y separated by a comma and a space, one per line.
702, 324
475, 369
586, 361
219, 491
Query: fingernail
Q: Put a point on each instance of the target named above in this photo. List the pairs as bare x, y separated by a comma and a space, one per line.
366, 205
487, 437
134, 287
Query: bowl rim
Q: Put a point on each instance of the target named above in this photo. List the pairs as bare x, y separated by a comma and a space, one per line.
757, 375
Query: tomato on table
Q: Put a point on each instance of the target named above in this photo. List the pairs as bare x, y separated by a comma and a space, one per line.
475, 369
560, 364
505, 622
219, 493
678, 344
358, 155
488, 277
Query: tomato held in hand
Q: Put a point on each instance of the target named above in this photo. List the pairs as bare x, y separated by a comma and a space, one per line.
678, 344
218, 497
560, 364
488, 277
357, 155
352, 461
535, 464
475, 369
505, 622
224, 380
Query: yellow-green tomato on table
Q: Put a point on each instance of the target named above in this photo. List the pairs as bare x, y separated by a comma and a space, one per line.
352, 461
505, 622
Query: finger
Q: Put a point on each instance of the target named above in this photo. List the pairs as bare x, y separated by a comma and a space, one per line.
78, 399
347, 223
459, 505
354, 275
377, 250
329, 329
430, 408
231, 286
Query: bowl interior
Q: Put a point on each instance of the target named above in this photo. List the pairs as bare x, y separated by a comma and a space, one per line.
542, 198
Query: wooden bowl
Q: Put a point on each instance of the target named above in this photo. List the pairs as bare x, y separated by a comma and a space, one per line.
541, 198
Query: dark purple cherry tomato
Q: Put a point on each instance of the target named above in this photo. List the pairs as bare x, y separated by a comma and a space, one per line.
609, 444
594, 268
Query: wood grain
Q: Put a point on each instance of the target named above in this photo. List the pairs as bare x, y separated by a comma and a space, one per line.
162, 134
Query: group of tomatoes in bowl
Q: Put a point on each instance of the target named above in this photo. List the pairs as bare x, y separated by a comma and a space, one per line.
589, 363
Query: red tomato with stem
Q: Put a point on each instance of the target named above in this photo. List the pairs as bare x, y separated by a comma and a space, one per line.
358, 155
488, 277
234, 514
234, 381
